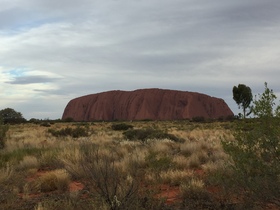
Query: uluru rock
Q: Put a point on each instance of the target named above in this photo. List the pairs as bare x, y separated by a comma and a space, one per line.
154, 104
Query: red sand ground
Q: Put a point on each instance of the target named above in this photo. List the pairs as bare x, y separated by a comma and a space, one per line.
75, 186
170, 193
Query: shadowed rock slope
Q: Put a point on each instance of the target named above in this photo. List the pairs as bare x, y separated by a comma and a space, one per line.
154, 104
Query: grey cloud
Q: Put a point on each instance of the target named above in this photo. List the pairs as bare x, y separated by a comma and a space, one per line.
204, 46
24, 80
257, 13
17, 17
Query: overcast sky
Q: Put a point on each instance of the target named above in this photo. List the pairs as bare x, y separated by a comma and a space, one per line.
52, 51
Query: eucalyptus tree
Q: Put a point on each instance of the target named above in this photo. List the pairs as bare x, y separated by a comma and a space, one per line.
242, 95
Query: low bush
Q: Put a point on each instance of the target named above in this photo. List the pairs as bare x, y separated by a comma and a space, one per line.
121, 127
119, 190
45, 124
145, 134
68, 119
198, 119
79, 131
3, 131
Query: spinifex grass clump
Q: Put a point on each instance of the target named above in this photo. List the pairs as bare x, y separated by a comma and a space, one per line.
145, 134
195, 196
50, 181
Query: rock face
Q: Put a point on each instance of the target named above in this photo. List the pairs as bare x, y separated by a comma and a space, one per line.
153, 104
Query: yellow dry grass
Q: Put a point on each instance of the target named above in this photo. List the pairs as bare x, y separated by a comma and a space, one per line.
50, 181
176, 177
28, 162
200, 146
201, 149
5, 173
192, 185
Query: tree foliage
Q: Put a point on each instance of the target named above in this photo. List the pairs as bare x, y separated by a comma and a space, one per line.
264, 106
9, 115
242, 95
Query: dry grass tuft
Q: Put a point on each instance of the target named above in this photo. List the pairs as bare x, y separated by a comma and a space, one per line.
175, 177
50, 181
181, 162
6, 173
164, 146
194, 162
211, 167
28, 162
49, 158
136, 163
188, 148
192, 186
71, 158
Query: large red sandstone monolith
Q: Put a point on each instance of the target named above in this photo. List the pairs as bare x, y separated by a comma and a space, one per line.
153, 104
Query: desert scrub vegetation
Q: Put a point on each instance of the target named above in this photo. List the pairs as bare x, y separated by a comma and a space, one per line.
121, 126
255, 152
114, 172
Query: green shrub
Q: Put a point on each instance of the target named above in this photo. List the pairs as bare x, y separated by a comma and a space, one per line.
121, 127
198, 119
68, 119
256, 156
3, 132
79, 131
45, 124
145, 134
35, 121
